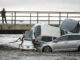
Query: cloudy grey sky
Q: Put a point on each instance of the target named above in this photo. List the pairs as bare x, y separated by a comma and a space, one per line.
41, 5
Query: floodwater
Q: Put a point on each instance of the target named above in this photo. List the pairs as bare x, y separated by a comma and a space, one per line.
8, 53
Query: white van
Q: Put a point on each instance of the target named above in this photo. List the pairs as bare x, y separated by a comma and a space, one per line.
39, 30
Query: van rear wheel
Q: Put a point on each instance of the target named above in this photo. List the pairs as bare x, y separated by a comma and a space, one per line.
47, 49
79, 48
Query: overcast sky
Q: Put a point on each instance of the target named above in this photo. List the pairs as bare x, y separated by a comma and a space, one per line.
41, 5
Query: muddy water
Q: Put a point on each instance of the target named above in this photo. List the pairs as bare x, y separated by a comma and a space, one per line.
8, 53
16, 54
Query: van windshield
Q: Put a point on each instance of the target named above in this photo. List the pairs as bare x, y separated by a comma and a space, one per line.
74, 37
28, 35
37, 31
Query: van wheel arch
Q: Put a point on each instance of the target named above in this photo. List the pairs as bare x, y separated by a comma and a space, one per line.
44, 49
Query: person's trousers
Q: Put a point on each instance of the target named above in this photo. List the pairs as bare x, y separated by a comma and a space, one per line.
4, 20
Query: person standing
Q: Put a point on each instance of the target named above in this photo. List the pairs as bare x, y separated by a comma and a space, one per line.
22, 39
3, 14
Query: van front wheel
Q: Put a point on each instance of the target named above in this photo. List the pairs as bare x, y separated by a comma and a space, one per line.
47, 49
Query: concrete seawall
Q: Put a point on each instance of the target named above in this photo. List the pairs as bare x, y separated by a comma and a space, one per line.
15, 29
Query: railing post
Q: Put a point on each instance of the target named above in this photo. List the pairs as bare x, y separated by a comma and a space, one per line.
48, 18
30, 17
37, 17
12, 18
59, 18
15, 18
67, 15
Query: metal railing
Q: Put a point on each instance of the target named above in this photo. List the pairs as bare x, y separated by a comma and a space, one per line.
33, 17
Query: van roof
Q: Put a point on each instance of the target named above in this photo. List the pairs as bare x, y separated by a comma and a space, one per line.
72, 34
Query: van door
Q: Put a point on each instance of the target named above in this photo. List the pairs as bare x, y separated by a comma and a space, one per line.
61, 43
73, 42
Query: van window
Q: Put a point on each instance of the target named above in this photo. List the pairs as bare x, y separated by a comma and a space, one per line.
63, 38
37, 31
74, 37
46, 39
28, 35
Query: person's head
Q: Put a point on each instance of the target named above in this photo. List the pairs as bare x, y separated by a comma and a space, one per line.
23, 32
54, 37
3, 9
